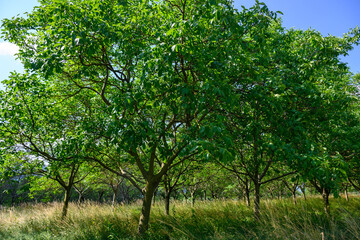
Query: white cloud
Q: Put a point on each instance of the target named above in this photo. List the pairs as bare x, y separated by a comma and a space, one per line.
8, 49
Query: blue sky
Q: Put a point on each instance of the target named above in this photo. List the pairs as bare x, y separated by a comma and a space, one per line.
9, 9
333, 17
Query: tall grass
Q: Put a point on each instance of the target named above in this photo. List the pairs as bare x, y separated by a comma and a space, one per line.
280, 219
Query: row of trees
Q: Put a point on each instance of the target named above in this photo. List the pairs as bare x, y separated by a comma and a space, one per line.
151, 90
209, 183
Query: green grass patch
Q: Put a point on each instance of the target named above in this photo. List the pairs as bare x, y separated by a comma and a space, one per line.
280, 219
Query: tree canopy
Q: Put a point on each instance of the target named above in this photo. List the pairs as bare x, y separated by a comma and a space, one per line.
143, 87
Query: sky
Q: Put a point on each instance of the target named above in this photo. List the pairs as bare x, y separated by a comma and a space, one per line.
334, 17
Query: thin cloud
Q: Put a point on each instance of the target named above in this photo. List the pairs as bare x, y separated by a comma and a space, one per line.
8, 49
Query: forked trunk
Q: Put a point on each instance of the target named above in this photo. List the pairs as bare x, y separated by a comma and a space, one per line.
146, 207
81, 198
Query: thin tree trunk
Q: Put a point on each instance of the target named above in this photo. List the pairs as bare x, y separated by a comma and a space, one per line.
257, 201
100, 195
125, 195
185, 196
346, 193
325, 196
114, 198
193, 199
115, 189
247, 196
66, 202
272, 193
146, 206
13, 197
81, 197
175, 195
294, 196
167, 203
303, 192
213, 195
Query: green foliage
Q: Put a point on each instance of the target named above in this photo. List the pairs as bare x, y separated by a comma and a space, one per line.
142, 87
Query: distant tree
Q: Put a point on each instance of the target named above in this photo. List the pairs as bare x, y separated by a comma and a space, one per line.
175, 179
40, 134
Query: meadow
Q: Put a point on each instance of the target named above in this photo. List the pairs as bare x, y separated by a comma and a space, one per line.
228, 219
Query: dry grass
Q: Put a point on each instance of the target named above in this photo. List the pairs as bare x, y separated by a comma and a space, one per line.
207, 220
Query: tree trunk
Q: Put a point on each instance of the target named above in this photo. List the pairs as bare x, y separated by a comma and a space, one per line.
115, 189
114, 198
148, 193
346, 194
66, 202
193, 199
185, 196
155, 194
212, 195
100, 195
272, 193
125, 195
294, 196
13, 198
247, 196
257, 201
81, 197
325, 196
167, 203
303, 192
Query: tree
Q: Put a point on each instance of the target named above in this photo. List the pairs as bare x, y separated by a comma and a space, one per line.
349, 135
293, 185
321, 106
151, 84
158, 70
290, 100
175, 178
255, 123
196, 181
40, 134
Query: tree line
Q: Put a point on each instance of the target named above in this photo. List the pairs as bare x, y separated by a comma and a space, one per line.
178, 95
204, 183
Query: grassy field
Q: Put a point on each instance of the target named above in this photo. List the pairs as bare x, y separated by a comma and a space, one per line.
207, 220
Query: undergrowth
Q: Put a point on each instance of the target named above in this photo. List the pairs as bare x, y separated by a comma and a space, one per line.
280, 219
